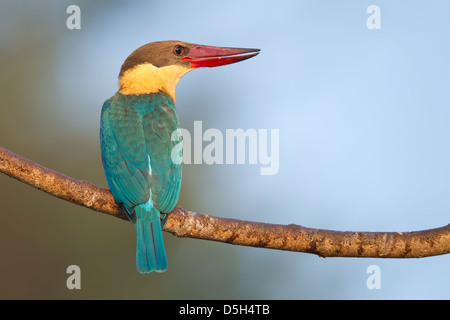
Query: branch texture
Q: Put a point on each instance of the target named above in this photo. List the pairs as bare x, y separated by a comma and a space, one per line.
183, 223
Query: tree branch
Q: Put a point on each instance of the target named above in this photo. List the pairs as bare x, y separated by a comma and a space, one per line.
183, 223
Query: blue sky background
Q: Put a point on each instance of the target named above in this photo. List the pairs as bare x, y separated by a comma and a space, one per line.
363, 121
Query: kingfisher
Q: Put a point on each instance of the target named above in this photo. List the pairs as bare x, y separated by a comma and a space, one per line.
137, 139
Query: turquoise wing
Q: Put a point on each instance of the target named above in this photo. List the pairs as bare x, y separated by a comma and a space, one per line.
136, 143
159, 127
124, 154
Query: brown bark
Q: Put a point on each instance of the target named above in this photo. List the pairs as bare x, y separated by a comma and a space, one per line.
183, 223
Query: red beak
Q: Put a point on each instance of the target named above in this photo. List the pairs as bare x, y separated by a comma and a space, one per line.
207, 56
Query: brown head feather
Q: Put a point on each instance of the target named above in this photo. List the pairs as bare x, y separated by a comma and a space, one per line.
159, 54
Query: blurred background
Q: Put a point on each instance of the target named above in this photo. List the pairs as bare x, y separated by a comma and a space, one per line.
363, 119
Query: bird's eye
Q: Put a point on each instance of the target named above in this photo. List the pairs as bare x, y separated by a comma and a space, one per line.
178, 50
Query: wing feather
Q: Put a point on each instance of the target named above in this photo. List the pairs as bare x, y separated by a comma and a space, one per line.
137, 150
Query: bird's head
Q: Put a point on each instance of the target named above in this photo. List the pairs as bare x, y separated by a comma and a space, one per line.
158, 66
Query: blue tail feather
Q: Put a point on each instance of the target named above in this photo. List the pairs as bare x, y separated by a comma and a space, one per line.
150, 252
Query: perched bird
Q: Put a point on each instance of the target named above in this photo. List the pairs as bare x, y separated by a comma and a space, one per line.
137, 125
